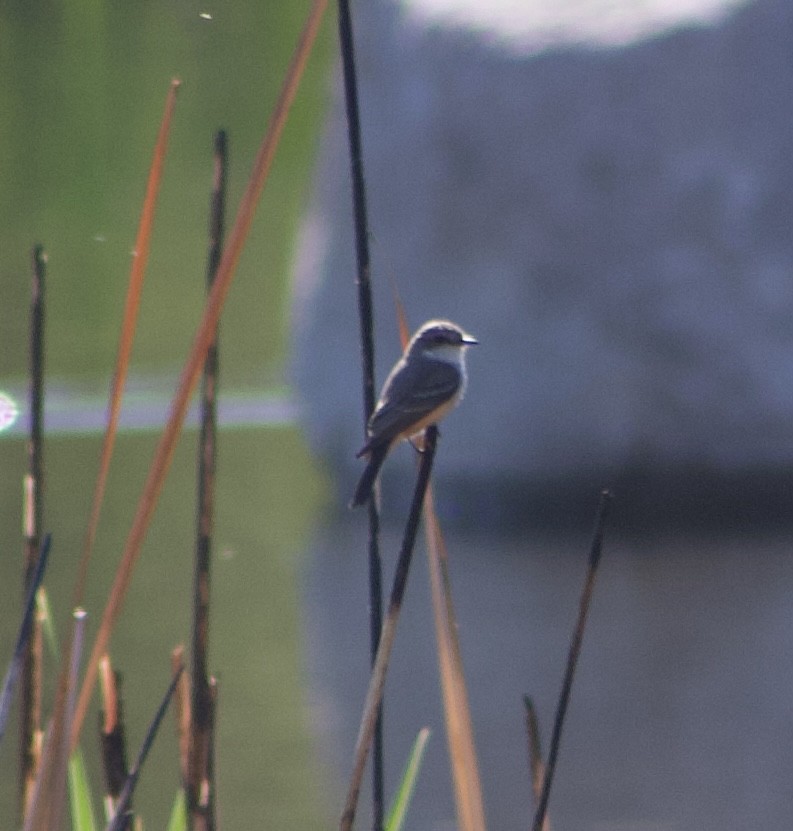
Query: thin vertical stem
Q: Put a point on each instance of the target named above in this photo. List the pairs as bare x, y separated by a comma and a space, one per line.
572, 658
363, 276
374, 694
31, 681
200, 789
363, 282
120, 817
536, 763
112, 737
15, 667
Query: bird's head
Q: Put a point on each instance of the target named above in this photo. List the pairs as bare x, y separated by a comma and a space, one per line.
441, 339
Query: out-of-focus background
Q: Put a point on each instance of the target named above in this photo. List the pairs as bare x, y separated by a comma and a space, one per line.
82, 97
602, 198
600, 193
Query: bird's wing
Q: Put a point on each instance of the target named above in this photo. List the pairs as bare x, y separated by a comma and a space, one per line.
412, 391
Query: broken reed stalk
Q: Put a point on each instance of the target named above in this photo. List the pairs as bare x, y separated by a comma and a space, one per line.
112, 737
199, 788
536, 763
374, 694
31, 680
120, 818
572, 658
181, 705
195, 360
363, 282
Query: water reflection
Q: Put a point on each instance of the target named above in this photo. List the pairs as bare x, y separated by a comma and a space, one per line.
9, 411
681, 711
71, 408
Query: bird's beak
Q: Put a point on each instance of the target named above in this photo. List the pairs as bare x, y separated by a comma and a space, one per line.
469, 341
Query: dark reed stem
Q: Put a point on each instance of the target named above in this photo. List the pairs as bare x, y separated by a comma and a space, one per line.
35, 443
374, 694
210, 750
572, 658
12, 675
361, 222
112, 737
120, 817
199, 787
31, 681
536, 763
363, 282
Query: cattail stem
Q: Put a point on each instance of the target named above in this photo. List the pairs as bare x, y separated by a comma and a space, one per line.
31, 680
363, 282
572, 658
377, 679
199, 787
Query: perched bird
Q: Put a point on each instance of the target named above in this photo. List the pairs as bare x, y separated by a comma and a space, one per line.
425, 384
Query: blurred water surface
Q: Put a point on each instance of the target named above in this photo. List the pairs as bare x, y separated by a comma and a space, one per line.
681, 715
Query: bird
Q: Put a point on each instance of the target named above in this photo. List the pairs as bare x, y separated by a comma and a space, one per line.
424, 385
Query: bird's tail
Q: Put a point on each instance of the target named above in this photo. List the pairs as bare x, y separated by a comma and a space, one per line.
367, 480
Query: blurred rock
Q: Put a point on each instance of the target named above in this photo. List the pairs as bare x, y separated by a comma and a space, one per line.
614, 225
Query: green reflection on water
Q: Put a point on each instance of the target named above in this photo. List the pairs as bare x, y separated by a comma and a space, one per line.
266, 498
81, 100
83, 92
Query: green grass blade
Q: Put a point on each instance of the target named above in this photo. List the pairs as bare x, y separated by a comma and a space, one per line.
83, 818
396, 816
80, 801
178, 820
44, 612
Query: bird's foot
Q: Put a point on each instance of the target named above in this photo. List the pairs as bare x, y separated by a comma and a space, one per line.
419, 448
